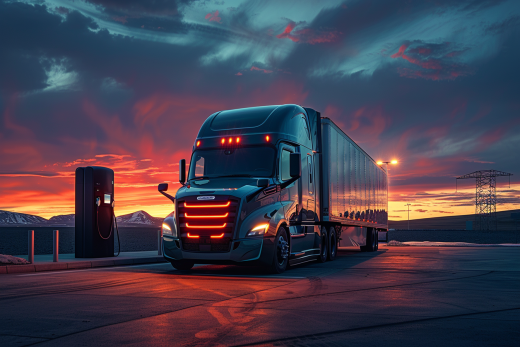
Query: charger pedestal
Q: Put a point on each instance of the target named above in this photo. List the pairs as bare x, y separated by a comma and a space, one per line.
94, 212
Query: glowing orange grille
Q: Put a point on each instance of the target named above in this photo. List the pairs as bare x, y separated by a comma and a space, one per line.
206, 226
201, 206
218, 216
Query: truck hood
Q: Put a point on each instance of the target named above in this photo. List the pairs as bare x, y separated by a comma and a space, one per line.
236, 186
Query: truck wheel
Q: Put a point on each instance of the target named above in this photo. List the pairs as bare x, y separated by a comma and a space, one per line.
324, 246
182, 265
281, 252
371, 241
333, 243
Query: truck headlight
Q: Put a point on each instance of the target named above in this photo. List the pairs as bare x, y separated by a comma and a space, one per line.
166, 230
260, 229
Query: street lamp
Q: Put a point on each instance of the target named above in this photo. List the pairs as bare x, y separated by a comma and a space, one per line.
386, 162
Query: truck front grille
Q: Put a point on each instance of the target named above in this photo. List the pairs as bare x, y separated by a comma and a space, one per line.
207, 226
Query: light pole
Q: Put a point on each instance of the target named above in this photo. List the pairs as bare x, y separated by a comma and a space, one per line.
380, 163
408, 215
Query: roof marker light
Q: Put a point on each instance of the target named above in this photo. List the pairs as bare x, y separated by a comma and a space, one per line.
222, 141
230, 140
238, 139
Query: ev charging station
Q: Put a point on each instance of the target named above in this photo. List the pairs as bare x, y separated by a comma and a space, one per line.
95, 216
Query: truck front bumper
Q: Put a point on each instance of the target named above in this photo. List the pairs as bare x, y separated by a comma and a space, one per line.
247, 250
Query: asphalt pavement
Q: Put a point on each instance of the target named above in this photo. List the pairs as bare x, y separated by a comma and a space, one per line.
398, 296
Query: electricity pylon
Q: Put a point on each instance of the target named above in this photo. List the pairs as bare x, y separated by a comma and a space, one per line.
486, 197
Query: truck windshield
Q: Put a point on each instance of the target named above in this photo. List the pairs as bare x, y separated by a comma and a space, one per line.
233, 162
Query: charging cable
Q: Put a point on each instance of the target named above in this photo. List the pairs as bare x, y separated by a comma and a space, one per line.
112, 222
117, 229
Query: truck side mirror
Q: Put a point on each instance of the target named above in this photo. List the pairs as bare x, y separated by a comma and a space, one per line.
182, 171
262, 182
295, 170
163, 187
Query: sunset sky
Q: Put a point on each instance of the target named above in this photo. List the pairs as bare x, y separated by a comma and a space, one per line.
127, 84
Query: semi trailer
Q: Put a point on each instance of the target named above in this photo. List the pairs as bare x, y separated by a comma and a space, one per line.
276, 186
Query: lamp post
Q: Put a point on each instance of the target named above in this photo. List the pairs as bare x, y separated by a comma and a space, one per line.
380, 163
408, 215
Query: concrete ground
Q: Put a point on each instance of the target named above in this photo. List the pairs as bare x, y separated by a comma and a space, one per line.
398, 296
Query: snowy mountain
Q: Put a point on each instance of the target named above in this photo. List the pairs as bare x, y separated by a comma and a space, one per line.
8, 219
12, 218
139, 217
65, 219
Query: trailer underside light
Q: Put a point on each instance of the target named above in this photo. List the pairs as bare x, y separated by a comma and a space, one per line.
206, 226
224, 205
193, 236
217, 236
267, 138
220, 216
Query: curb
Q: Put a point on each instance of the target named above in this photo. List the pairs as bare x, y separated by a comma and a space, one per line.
74, 265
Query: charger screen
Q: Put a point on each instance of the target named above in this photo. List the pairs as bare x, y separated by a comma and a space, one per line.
107, 199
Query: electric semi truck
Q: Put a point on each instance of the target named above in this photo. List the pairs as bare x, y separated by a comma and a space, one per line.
276, 186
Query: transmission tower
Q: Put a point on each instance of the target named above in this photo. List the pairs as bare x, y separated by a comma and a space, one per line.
486, 197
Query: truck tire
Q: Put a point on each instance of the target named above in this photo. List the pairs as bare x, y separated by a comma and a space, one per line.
333, 244
371, 241
182, 265
324, 246
281, 252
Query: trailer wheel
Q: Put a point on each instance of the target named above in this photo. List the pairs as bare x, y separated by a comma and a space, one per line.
182, 265
281, 252
333, 243
324, 246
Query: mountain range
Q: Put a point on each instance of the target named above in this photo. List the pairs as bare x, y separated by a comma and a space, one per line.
8, 219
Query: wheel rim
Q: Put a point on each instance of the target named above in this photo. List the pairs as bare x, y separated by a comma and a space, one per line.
282, 250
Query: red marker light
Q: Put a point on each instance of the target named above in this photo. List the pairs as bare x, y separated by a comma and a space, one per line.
222, 141
198, 143
238, 139
193, 236
267, 138
217, 236
230, 140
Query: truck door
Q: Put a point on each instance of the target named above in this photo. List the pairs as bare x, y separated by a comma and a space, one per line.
301, 236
